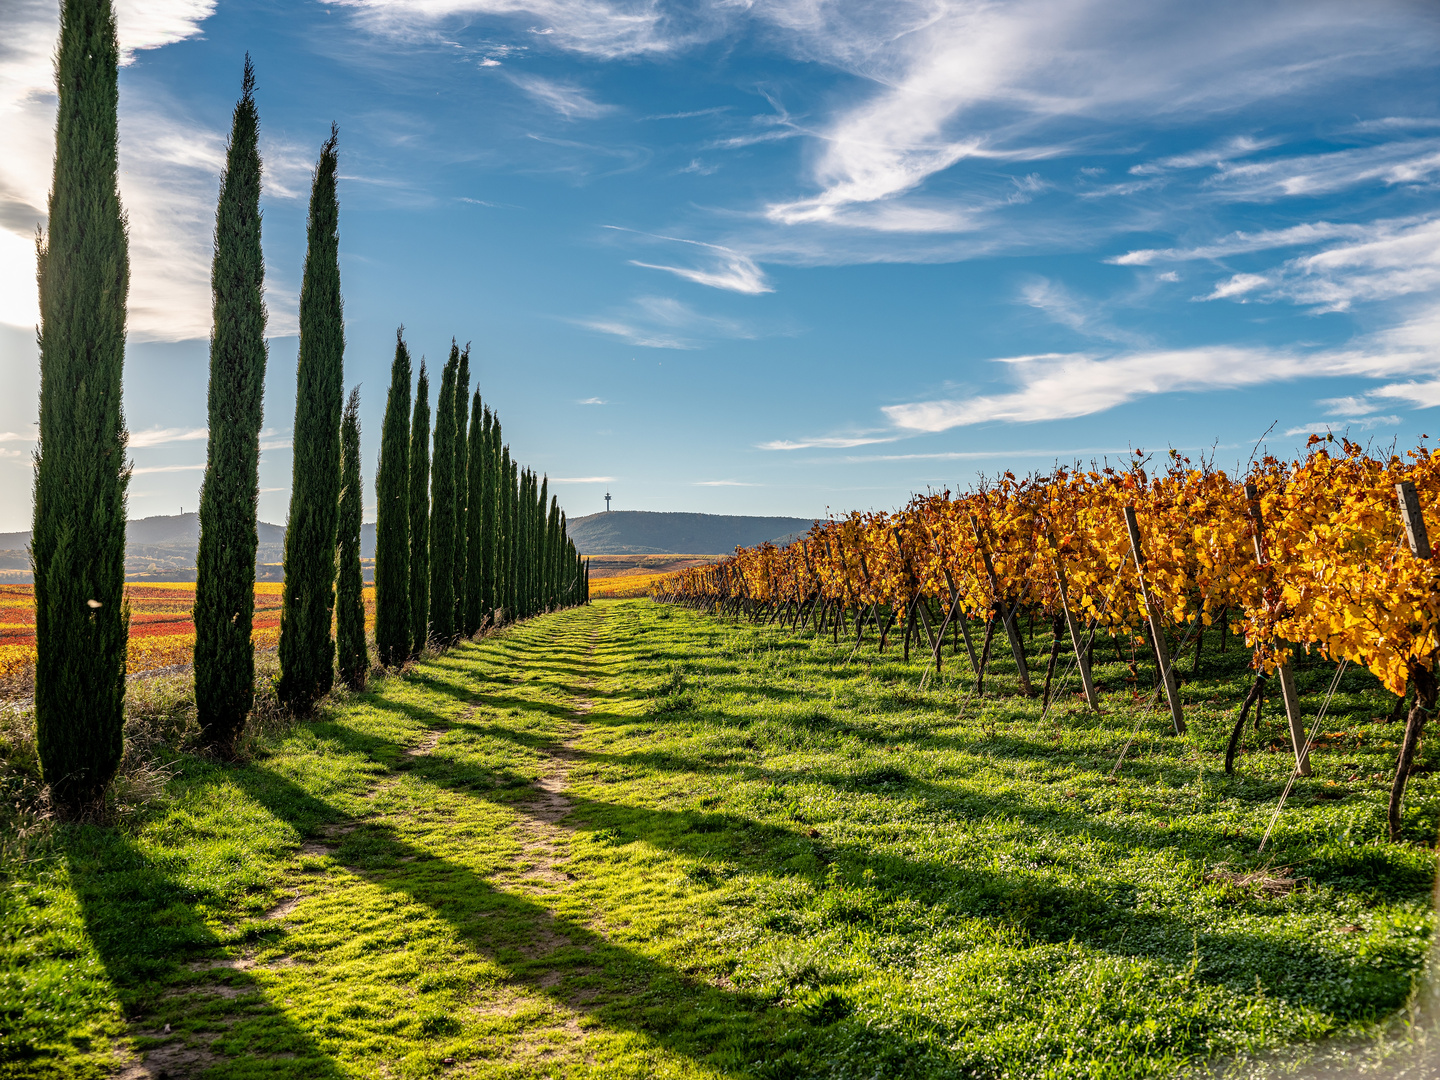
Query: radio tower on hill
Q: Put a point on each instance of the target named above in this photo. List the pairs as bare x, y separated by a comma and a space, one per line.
607, 502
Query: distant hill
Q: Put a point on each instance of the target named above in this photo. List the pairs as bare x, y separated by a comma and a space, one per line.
164, 548
649, 532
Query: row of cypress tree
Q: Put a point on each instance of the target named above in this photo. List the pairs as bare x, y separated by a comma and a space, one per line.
488, 547
473, 544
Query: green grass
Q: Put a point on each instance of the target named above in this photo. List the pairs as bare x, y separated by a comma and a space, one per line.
765, 861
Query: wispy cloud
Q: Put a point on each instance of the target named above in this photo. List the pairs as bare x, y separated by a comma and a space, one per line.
1242, 243
728, 269
570, 101
1364, 423
592, 401
659, 322
1387, 260
140, 440
1065, 386
1084, 316
167, 469
826, 442
169, 170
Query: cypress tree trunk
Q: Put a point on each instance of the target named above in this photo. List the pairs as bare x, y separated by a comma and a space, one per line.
442, 509
225, 563
77, 548
392, 516
352, 659
462, 491
307, 652
475, 520
420, 515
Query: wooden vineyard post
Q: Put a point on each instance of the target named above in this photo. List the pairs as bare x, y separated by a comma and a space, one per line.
1007, 611
1081, 660
1421, 677
960, 619
1286, 675
1157, 633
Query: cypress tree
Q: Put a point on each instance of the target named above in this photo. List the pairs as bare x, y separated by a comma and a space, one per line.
392, 516
78, 545
507, 536
542, 548
462, 490
475, 519
225, 563
442, 508
350, 586
493, 528
420, 515
307, 652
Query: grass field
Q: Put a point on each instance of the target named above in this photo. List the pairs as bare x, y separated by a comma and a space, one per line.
633, 841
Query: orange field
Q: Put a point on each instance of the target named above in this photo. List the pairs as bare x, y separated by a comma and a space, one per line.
161, 631
623, 586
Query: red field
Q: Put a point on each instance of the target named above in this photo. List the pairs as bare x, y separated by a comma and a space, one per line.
161, 630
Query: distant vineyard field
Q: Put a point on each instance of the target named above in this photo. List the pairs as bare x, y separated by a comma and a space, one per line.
162, 633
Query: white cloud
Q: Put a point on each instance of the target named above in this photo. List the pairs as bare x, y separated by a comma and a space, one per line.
570, 101
163, 161
1065, 386
168, 469
1389, 259
1364, 423
728, 268
1236, 147
659, 322
140, 440
592, 401
1082, 316
1406, 162
826, 442
1240, 243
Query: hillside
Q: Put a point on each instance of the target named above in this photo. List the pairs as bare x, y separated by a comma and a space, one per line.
163, 548
648, 532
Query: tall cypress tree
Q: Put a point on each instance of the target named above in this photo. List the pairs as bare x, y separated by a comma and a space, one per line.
420, 515
307, 652
507, 534
494, 601
78, 545
225, 564
442, 508
392, 516
462, 489
542, 547
475, 519
350, 651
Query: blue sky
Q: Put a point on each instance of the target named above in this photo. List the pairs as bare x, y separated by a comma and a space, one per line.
774, 257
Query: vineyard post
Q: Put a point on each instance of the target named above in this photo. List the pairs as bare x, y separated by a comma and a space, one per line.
1157, 633
961, 619
1081, 660
1293, 714
1421, 677
1011, 629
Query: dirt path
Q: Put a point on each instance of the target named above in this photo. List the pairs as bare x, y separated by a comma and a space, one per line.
538, 826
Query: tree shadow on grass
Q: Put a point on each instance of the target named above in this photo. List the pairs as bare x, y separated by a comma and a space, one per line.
146, 924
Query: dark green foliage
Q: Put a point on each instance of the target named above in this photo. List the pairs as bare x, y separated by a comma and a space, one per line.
507, 535
462, 490
350, 653
225, 565
442, 509
420, 515
476, 518
494, 527
392, 516
78, 543
307, 652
